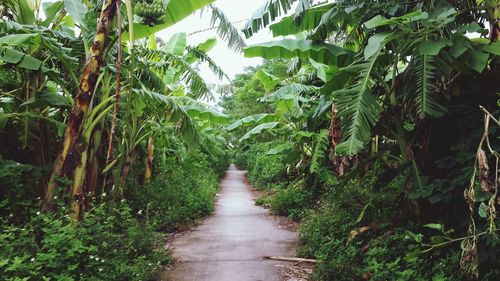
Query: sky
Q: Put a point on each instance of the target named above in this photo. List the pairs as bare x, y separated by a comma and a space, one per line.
232, 63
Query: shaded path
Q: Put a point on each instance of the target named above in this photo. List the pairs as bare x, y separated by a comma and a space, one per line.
230, 245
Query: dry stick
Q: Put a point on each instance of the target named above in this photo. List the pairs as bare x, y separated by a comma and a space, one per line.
279, 258
490, 115
118, 87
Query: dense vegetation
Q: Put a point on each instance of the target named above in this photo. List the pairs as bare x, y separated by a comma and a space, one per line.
372, 123
104, 144
380, 138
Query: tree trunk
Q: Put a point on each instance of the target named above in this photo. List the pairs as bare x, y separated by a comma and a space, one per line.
93, 165
149, 160
77, 192
69, 150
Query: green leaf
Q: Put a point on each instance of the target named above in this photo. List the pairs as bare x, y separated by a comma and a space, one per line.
359, 109
177, 44
267, 13
376, 42
431, 47
251, 120
19, 39
318, 155
436, 226
280, 148
51, 10
323, 71
290, 92
76, 9
258, 129
24, 11
31, 63
208, 45
483, 210
311, 19
379, 20
304, 49
205, 113
459, 47
55, 99
202, 48
476, 60
4, 118
11, 56
493, 48
176, 11
423, 79
269, 81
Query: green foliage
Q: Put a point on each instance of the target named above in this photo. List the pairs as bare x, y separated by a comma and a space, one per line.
17, 190
264, 171
111, 244
384, 251
304, 49
182, 192
291, 202
266, 14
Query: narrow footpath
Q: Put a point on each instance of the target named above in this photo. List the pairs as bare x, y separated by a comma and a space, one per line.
230, 245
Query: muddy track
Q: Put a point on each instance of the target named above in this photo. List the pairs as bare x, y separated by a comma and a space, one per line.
230, 245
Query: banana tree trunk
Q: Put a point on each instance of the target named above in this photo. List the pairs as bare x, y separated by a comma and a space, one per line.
149, 160
78, 194
93, 165
79, 113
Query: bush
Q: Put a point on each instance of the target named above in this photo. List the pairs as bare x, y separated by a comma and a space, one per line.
181, 193
110, 244
291, 202
359, 232
264, 171
115, 241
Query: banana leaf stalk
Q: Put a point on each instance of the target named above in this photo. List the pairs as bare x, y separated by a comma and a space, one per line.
149, 160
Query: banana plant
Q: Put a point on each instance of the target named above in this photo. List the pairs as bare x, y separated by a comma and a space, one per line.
355, 81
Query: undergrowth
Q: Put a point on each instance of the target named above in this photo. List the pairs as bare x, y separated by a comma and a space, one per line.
117, 240
360, 228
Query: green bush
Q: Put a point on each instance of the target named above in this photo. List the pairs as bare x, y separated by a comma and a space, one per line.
179, 194
291, 202
387, 249
264, 171
110, 244
115, 241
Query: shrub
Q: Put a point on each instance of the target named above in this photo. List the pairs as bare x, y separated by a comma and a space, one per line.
179, 194
291, 202
264, 171
110, 244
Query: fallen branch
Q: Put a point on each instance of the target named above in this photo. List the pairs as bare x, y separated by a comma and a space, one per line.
290, 259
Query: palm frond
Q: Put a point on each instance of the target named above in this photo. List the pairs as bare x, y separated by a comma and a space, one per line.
203, 57
292, 91
302, 7
184, 123
319, 152
358, 108
190, 75
419, 96
294, 66
226, 30
266, 14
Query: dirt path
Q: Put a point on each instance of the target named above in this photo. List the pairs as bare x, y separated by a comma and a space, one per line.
231, 244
